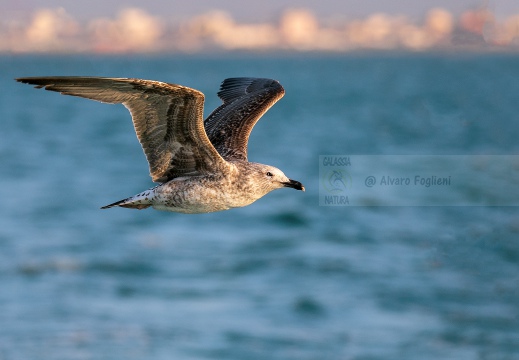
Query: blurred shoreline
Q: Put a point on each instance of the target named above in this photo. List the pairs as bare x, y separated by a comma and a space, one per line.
134, 30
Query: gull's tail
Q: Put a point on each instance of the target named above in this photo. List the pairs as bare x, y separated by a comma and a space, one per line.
139, 201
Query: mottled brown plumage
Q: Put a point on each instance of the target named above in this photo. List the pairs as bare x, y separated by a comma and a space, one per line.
202, 166
245, 100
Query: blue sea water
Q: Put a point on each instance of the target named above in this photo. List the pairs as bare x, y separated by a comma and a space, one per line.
283, 278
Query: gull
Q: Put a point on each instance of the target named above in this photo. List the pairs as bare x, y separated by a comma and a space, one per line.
201, 166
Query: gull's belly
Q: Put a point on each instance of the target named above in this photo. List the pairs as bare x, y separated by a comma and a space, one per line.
201, 196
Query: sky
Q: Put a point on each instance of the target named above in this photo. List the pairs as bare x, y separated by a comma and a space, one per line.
252, 11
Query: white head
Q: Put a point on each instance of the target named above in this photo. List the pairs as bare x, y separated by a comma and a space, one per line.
267, 178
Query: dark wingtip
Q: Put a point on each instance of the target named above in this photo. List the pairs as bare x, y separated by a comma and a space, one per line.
233, 88
25, 80
32, 81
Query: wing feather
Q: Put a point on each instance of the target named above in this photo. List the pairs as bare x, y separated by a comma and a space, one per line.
245, 100
168, 120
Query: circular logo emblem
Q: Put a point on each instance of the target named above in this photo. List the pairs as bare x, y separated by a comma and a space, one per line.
336, 180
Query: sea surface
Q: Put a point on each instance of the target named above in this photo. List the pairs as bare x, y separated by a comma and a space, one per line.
283, 278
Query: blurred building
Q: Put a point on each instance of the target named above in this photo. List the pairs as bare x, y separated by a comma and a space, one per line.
134, 30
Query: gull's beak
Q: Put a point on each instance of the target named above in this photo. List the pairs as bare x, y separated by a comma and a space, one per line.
294, 185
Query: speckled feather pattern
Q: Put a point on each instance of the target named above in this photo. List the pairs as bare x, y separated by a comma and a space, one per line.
202, 166
245, 100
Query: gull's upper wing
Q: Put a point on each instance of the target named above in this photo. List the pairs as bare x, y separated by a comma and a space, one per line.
245, 100
168, 120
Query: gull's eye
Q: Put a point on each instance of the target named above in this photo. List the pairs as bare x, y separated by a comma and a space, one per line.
269, 173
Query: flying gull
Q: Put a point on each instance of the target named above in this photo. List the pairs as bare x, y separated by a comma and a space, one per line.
201, 166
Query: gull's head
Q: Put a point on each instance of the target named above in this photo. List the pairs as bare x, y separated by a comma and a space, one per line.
271, 178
